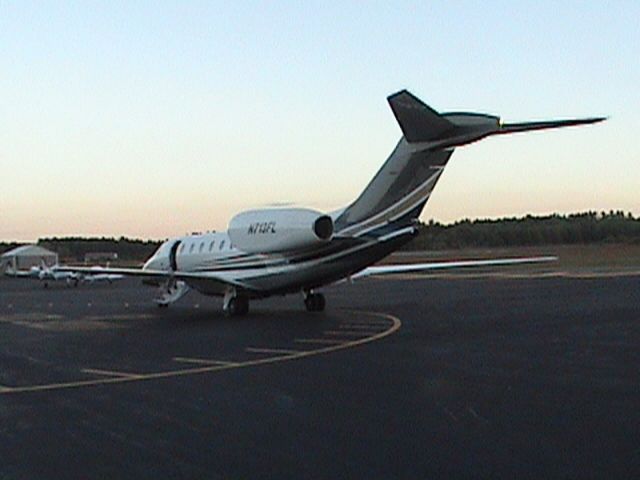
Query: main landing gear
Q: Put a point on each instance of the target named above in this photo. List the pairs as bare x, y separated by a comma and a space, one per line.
238, 306
314, 302
235, 304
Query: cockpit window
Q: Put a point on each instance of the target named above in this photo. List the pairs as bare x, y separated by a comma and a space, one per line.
182, 247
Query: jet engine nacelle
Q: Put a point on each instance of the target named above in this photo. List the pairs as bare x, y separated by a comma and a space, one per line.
273, 230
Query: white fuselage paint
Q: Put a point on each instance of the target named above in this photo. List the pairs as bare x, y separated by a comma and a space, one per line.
194, 252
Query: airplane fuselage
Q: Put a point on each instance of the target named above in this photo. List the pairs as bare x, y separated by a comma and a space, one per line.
261, 275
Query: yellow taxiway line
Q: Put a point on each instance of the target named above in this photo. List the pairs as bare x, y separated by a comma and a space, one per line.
325, 341
110, 373
272, 350
345, 333
394, 326
351, 326
202, 361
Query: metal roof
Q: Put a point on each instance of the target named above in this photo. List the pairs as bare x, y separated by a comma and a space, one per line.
29, 251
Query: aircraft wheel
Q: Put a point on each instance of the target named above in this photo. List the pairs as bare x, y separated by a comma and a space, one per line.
308, 303
238, 306
243, 305
315, 302
320, 302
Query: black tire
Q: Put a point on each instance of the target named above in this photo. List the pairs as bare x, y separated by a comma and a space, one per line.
320, 302
308, 303
314, 302
232, 308
238, 306
243, 305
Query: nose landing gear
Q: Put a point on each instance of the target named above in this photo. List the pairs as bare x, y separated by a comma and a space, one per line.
170, 291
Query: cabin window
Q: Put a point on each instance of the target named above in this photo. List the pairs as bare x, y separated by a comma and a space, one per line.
184, 245
211, 245
201, 247
193, 245
221, 244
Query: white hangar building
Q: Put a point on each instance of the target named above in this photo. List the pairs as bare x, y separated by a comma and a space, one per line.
25, 257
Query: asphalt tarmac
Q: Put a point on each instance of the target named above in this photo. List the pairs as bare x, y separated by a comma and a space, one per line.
423, 378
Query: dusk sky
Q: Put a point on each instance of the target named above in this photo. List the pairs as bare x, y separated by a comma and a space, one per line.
153, 119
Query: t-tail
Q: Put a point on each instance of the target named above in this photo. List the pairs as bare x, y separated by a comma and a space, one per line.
397, 194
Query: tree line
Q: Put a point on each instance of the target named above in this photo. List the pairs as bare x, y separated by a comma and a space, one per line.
585, 228
75, 248
579, 228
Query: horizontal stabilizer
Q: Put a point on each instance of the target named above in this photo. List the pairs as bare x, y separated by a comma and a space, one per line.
426, 267
418, 121
528, 126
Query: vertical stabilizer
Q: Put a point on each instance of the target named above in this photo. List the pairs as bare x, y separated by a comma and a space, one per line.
418, 121
397, 193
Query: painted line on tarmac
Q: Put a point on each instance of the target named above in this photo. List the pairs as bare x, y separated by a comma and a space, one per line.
451, 415
272, 350
351, 326
202, 361
395, 324
345, 333
369, 322
110, 373
321, 341
476, 415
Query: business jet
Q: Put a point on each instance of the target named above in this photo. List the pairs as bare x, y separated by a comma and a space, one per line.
277, 251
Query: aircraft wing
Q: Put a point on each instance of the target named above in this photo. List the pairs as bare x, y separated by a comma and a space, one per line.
20, 274
157, 274
102, 277
379, 270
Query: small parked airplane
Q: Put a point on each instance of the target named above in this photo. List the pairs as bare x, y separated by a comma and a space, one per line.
47, 274
275, 251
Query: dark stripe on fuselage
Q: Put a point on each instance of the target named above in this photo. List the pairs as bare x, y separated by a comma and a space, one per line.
328, 271
336, 245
